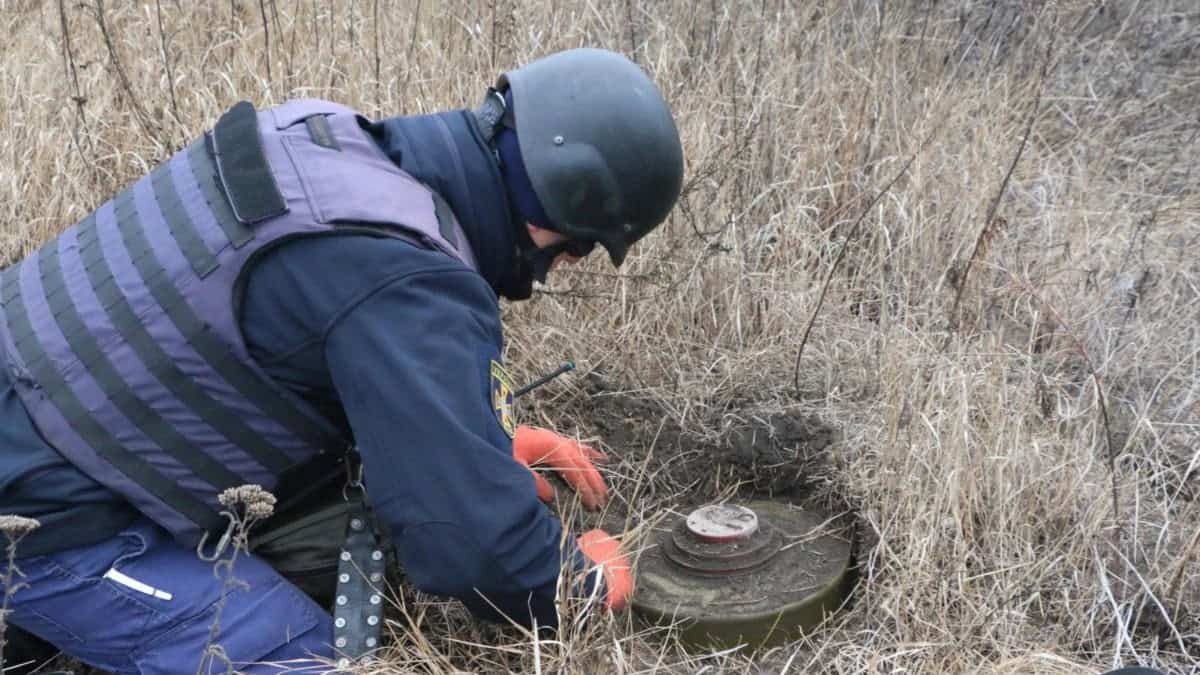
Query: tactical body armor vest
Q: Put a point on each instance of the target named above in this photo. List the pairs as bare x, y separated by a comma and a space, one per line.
122, 336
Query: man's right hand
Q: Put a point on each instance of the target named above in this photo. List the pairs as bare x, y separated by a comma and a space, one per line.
605, 550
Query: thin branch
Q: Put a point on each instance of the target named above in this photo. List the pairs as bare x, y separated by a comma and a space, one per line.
14, 528
378, 60
989, 221
1175, 589
1139, 235
632, 29
126, 85
412, 45
1100, 399
166, 54
262, 9
291, 48
77, 96
492, 5
812, 319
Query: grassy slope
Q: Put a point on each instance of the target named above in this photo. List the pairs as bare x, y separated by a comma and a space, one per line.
968, 336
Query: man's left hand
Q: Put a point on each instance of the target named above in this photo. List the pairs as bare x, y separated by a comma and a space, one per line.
575, 462
605, 550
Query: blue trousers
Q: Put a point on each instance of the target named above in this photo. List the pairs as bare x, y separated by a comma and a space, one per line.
142, 603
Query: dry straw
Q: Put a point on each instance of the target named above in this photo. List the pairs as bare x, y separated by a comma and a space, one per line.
15, 528
1032, 259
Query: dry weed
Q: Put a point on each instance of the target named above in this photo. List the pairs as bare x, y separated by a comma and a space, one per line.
1034, 260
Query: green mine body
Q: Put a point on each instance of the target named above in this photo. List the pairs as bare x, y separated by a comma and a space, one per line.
757, 575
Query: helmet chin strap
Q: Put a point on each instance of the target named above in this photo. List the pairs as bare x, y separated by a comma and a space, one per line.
532, 263
540, 260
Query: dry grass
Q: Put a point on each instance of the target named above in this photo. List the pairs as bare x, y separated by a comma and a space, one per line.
1030, 263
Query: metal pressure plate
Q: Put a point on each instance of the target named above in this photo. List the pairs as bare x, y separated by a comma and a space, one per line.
755, 574
721, 523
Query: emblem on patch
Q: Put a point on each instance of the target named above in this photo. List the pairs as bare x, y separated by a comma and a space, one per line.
502, 399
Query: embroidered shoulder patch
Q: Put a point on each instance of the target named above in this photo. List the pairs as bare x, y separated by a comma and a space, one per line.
502, 399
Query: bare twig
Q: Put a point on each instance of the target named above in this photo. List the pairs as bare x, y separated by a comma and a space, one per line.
14, 528
989, 222
1175, 587
72, 71
376, 27
633, 45
493, 6
850, 236
1140, 228
262, 9
167, 63
245, 506
1101, 401
412, 45
139, 112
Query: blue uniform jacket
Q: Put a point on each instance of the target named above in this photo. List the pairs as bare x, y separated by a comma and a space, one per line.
396, 343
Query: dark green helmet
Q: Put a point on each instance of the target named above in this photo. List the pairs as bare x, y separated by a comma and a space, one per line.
599, 145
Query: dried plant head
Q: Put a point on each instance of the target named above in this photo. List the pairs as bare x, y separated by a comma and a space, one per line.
975, 465
257, 502
15, 527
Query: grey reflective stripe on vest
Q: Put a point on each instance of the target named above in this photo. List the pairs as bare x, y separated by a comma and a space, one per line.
184, 231
127, 352
57, 389
214, 352
162, 366
84, 345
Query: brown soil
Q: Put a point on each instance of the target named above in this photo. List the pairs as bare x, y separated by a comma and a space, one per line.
658, 464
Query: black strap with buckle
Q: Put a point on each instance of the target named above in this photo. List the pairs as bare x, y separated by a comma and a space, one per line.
358, 604
493, 114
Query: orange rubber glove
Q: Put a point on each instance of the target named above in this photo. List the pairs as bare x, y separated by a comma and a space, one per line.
604, 550
574, 461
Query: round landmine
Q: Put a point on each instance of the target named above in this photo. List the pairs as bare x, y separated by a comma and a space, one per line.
758, 574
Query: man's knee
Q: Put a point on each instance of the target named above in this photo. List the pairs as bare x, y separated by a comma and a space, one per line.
144, 603
275, 628
252, 616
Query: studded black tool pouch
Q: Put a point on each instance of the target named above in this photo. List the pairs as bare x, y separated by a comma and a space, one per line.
305, 546
358, 605
327, 545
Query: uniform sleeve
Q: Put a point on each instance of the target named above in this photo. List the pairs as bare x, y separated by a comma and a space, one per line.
411, 361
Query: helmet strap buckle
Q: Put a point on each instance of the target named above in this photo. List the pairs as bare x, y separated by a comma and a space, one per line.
492, 114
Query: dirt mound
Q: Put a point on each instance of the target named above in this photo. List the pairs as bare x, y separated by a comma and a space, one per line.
778, 454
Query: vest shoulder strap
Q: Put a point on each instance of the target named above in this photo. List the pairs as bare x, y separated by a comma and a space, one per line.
236, 145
